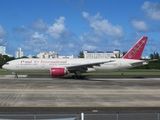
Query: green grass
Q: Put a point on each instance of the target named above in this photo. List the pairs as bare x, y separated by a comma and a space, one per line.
126, 72
5, 72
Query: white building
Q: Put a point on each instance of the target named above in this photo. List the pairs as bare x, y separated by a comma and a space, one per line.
98, 55
72, 56
52, 55
48, 55
109, 54
88, 54
19, 53
2, 50
117, 53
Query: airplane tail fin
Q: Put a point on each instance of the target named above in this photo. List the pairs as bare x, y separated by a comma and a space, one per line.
136, 51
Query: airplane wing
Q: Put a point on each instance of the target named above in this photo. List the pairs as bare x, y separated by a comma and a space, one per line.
85, 66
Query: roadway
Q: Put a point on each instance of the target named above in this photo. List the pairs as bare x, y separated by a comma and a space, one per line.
28, 94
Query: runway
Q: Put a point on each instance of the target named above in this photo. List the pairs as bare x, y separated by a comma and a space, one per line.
91, 92
63, 95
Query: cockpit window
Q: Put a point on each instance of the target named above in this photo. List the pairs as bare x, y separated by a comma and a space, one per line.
7, 64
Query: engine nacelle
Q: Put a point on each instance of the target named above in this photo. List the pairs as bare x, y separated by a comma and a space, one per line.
57, 72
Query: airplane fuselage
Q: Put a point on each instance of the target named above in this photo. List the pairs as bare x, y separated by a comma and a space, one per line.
39, 65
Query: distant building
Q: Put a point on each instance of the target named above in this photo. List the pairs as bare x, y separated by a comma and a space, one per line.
2, 50
52, 55
72, 56
117, 53
19, 53
99, 54
48, 55
88, 54
109, 54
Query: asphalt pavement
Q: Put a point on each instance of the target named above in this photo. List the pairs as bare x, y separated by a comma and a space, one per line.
132, 97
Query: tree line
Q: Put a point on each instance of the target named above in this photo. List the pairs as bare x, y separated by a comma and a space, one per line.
151, 65
4, 59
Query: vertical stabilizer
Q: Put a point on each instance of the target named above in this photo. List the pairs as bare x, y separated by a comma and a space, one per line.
136, 51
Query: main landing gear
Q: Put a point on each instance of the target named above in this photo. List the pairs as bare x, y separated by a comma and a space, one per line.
78, 75
14, 73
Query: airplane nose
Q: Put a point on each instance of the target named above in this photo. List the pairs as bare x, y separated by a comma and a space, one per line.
3, 66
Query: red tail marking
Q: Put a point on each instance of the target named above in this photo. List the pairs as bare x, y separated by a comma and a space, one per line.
136, 51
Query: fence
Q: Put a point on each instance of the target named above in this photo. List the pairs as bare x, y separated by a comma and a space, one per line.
82, 116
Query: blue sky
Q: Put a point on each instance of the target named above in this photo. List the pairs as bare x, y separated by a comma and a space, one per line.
70, 26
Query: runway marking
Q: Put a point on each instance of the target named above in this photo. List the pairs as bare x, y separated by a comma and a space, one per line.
124, 79
144, 91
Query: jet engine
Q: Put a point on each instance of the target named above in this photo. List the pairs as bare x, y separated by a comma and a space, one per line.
57, 72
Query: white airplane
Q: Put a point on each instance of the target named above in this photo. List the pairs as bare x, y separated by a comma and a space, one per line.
61, 67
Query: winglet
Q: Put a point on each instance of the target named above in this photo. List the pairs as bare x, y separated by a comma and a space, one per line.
136, 51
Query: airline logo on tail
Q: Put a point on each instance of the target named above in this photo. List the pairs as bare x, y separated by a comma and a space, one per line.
136, 51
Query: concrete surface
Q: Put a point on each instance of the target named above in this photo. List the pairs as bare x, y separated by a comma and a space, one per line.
90, 92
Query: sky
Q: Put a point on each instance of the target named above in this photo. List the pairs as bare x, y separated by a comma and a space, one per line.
71, 26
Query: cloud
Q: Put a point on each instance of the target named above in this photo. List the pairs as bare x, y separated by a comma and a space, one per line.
20, 33
20, 30
89, 47
140, 25
89, 38
152, 10
103, 27
91, 18
39, 25
57, 29
55, 38
116, 43
3, 35
36, 42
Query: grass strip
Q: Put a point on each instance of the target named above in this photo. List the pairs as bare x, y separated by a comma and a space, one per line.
126, 72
